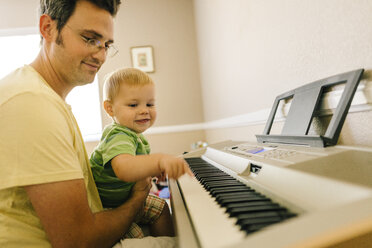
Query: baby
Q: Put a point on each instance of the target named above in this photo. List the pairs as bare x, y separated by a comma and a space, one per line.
122, 156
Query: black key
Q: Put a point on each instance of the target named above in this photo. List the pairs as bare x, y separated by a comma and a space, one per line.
210, 174
249, 204
239, 194
223, 202
265, 214
231, 189
256, 227
197, 159
219, 183
203, 174
212, 185
251, 209
217, 179
256, 224
205, 169
242, 195
217, 176
227, 188
201, 165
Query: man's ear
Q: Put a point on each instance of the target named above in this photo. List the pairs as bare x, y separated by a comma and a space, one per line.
108, 108
47, 27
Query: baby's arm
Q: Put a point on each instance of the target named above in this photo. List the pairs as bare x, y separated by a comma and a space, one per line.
131, 168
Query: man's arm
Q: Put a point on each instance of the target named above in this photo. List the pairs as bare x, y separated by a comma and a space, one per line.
131, 168
68, 221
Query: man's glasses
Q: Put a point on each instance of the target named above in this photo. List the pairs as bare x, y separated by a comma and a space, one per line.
96, 45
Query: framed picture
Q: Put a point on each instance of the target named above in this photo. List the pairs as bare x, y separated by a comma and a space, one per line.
142, 58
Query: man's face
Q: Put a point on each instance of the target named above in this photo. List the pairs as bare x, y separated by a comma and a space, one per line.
74, 62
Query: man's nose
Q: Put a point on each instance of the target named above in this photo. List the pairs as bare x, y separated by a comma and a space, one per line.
100, 55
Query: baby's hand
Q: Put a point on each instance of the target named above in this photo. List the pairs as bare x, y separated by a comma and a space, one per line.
174, 167
162, 177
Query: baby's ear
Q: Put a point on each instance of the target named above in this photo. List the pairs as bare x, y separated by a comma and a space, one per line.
108, 108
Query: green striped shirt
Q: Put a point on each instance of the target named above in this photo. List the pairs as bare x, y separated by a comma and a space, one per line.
115, 140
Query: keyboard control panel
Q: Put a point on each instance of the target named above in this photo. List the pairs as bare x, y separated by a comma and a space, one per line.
272, 152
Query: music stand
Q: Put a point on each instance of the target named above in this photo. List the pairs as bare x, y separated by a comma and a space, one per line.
305, 101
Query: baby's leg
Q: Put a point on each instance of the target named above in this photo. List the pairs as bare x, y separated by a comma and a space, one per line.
163, 226
134, 231
158, 217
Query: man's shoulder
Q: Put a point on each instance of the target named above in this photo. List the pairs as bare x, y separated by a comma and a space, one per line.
22, 81
29, 104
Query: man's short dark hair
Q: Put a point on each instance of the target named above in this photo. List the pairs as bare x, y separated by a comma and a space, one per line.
62, 10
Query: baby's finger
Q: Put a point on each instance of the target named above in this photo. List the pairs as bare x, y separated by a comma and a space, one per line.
179, 168
162, 177
172, 170
187, 169
184, 167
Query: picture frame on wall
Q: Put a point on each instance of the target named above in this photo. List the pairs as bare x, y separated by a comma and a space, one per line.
142, 58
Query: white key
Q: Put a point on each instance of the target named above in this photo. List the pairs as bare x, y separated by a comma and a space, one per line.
213, 226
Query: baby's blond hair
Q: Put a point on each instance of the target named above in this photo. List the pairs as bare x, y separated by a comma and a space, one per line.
128, 76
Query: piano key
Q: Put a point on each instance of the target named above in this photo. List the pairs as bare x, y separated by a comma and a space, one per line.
209, 186
240, 210
234, 182
232, 190
201, 166
204, 168
249, 203
217, 189
248, 216
224, 183
195, 159
255, 227
224, 188
245, 223
249, 209
223, 200
226, 200
214, 226
207, 174
239, 194
214, 179
252, 225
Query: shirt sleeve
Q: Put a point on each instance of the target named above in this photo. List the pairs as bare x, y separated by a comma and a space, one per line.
118, 143
36, 142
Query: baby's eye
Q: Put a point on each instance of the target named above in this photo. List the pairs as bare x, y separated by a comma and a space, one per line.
150, 105
132, 105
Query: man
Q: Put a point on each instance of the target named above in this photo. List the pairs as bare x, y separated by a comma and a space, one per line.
47, 194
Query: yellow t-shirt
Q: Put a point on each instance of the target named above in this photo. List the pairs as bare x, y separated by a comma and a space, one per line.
40, 142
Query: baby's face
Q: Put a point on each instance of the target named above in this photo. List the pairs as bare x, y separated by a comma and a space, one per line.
134, 107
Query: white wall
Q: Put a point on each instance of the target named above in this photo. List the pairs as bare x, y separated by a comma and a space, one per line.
168, 26
18, 13
217, 59
251, 50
